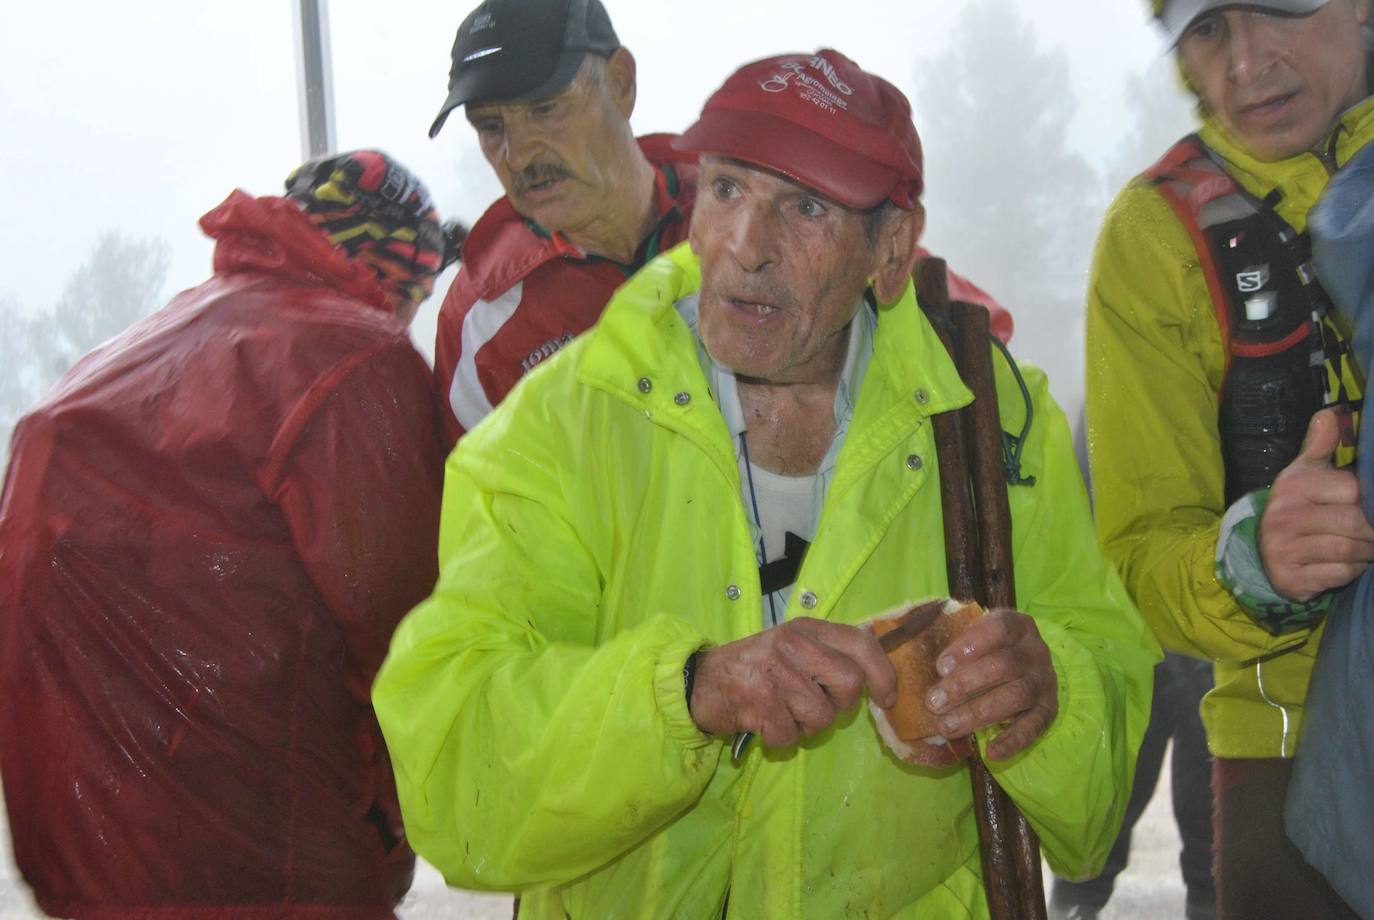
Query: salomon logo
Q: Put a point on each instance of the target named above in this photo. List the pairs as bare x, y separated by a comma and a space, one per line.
1253, 279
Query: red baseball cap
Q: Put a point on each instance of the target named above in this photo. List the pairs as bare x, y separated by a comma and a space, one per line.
818, 119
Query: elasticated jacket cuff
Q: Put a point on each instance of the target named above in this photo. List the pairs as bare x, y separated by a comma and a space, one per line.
1240, 568
671, 694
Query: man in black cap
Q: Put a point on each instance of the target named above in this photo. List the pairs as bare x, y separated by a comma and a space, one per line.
549, 90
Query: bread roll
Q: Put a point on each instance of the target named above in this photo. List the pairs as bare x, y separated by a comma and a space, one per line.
909, 728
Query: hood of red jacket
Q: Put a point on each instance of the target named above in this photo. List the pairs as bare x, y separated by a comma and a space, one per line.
273, 236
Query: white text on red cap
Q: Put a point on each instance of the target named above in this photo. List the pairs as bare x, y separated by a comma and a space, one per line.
810, 88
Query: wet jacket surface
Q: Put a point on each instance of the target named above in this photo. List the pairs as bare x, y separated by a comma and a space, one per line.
1155, 365
209, 529
593, 537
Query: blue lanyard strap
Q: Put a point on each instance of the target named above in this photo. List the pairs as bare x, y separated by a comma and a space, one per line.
773, 618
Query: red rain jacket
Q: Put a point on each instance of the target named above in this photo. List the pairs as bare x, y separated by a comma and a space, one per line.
208, 531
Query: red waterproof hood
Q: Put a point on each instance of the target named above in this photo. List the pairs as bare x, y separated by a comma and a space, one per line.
271, 235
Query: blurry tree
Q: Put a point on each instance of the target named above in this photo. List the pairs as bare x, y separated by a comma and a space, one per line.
120, 283
19, 377
1010, 204
1161, 111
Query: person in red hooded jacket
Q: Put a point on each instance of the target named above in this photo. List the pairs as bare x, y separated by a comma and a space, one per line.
208, 531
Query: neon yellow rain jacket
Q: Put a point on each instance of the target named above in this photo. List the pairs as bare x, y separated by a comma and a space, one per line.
593, 537
1154, 371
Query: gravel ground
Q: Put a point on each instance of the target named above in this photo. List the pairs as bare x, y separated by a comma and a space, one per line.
1149, 889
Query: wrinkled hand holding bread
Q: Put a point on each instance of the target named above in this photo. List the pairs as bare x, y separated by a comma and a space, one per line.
909, 729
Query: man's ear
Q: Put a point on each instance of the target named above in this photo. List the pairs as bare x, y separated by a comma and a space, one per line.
620, 81
896, 252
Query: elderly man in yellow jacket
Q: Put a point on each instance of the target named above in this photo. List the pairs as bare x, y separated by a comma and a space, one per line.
560, 711
1210, 346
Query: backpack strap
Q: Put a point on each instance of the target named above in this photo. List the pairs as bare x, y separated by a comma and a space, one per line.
1283, 357
1203, 194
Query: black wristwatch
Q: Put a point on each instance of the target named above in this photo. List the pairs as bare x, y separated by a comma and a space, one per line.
689, 675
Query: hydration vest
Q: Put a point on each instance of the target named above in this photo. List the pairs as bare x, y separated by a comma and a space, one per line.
1285, 358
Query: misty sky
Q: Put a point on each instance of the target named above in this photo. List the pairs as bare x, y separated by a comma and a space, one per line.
141, 116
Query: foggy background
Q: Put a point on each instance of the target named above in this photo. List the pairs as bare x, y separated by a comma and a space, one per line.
123, 123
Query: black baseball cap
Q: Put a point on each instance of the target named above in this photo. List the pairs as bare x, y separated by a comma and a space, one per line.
523, 49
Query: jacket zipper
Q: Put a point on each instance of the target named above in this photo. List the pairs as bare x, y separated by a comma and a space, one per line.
1327, 157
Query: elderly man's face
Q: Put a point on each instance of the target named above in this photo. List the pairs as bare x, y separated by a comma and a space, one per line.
556, 157
782, 271
1278, 83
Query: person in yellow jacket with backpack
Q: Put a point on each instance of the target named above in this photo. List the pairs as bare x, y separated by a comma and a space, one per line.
1210, 347
560, 711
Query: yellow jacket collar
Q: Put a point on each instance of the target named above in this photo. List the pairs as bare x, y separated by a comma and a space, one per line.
1300, 178
642, 341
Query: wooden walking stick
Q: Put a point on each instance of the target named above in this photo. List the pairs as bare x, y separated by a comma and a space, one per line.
977, 525
994, 547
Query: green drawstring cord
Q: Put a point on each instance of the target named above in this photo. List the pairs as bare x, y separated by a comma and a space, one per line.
1012, 444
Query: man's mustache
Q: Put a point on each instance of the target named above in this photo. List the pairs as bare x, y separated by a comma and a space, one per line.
538, 172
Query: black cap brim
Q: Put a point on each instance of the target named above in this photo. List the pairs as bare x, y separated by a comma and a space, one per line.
493, 80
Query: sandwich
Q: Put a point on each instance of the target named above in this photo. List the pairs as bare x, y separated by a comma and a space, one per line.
913, 636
